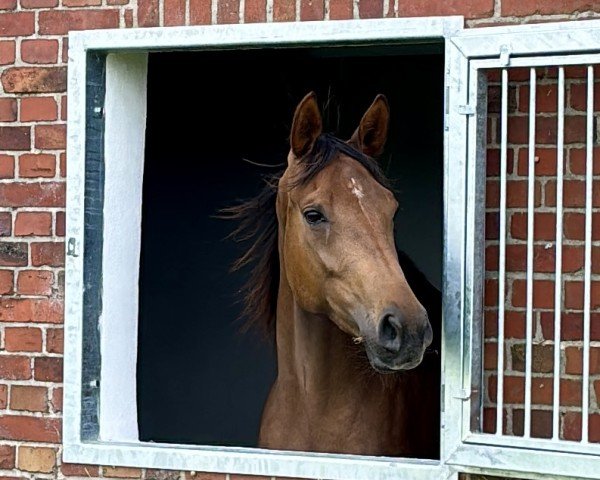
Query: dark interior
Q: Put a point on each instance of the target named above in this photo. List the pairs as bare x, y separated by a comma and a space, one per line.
200, 380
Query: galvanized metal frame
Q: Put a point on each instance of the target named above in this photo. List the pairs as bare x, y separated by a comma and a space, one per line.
532, 46
80, 438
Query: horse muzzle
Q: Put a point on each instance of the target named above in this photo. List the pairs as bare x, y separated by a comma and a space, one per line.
399, 343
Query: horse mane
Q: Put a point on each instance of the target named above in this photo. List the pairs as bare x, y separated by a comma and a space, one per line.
258, 228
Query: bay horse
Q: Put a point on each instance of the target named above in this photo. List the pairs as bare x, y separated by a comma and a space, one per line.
352, 316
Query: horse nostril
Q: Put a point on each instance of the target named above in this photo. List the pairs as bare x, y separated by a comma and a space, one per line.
389, 332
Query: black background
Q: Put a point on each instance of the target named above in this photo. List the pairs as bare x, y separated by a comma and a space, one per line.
199, 379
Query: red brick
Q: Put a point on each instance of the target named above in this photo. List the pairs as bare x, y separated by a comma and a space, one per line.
574, 226
3, 397
38, 108
62, 163
255, 11
31, 429
63, 107
8, 4
341, 9
371, 9
121, 472
574, 360
574, 295
50, 137
39, 51
55, 340
33, 223
82, 3
8, 109
577, 161
50, 254
47, 194
516, 193
37, 165
60, 22
7, 167
284, 11
544, 226
425, 8
545, 7
174, 12
490, 355
22, 339
57, 399
29, 398
573, 193
148, 12
312, 10
35, 79
542, 358
544, 164
545, 129
546, 99
6, 282
117, 2
543, 294
73, 470
514, 324
39, 3
13, 367
572, 426
541, 423
48, 369
15, 138
35, 282
46, 310
571, 325
514, 389
228, 11
7, 52
128, 21
544, 259
578, 96
13, 254
59, 228
7, 457
17, 24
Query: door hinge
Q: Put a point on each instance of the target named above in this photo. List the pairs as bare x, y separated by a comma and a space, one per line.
72, 247
466, 110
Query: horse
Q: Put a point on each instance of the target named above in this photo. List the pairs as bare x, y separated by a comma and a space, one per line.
356, 324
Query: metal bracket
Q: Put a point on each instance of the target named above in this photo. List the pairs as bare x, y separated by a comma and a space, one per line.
466, 110
463, 394
505, 52
72, 247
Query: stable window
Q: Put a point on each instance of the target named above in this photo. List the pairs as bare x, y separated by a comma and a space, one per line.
139, 206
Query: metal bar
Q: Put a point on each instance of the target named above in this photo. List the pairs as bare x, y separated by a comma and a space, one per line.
558, 252
530, 235
588, 255
502, 251
540, 61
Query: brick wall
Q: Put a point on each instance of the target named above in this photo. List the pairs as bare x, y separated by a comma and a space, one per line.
544, 256
33, 59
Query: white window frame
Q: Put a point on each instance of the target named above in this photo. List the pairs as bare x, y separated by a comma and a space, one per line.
106, 127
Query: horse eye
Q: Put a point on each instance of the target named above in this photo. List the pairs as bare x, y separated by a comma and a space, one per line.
314, 217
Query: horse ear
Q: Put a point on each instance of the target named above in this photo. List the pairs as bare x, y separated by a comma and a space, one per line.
371, 134
307, 125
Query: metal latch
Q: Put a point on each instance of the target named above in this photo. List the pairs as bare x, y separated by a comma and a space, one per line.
463, 394
466, 110
72, 247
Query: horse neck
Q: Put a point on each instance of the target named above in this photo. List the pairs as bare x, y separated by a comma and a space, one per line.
313, 353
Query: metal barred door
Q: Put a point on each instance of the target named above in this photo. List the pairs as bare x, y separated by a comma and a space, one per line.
522, 399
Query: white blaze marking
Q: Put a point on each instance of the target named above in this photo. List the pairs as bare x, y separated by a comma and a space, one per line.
356, 188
